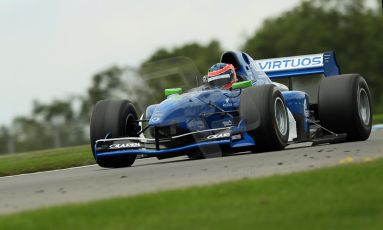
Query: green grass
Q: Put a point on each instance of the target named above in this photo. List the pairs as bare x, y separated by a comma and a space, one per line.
377, 119
12, 164
343, 197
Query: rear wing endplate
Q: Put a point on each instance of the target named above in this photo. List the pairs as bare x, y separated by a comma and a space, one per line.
323, 63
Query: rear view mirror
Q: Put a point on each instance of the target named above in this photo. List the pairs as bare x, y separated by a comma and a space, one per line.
171, 91
242, 84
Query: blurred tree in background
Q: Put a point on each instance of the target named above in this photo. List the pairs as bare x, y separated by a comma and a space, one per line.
6, 141
62, 120
179, 67
103, 85
203, 56
30, 134
349, 28
51, 125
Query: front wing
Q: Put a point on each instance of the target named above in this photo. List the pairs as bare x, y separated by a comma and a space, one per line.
233, 137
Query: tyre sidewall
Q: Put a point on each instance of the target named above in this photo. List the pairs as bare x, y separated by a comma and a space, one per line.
258, 109
281, 140
363, 130
110, 118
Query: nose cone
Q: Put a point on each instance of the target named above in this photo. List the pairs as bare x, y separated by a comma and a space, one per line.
186, 110
175, 109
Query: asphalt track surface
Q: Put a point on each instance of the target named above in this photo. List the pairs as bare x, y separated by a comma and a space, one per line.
87, 183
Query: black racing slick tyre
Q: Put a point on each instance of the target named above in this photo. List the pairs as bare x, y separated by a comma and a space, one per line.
344, 106
263, 108
113, 119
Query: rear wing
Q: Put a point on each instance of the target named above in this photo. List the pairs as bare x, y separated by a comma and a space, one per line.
323, 63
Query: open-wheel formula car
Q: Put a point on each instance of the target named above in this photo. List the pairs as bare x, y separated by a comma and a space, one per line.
254, 114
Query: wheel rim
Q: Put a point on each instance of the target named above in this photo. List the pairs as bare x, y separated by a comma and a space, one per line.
281, 116
364, 106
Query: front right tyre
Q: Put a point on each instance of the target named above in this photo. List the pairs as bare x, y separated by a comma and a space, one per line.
113, 119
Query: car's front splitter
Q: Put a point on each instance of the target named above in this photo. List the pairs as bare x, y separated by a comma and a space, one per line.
182, 150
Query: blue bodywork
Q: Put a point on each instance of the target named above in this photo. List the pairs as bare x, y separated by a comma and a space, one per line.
196, 111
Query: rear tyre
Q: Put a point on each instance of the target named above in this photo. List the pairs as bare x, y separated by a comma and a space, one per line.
344, 106
264, 110
113, 119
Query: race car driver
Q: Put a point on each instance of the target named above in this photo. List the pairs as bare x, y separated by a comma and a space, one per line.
221, 75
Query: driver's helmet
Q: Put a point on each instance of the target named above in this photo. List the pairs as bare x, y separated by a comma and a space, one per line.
221, 75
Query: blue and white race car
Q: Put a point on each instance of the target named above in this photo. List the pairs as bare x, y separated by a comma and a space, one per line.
253, 114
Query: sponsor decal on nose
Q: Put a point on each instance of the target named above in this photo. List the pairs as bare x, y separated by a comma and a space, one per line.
125, 146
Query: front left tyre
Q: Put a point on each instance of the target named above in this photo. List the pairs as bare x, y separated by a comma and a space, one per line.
113, 119
264, 110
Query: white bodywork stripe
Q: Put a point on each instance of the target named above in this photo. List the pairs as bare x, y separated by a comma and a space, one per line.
292, 126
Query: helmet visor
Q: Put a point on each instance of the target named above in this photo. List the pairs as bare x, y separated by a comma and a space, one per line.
221, 80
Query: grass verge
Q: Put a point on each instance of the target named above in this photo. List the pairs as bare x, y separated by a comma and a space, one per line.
377, 119
343, 197
12, 164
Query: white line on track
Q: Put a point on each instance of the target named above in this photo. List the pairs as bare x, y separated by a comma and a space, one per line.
48, 171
